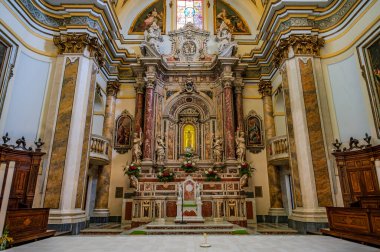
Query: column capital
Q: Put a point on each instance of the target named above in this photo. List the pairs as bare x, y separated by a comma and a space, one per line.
79, 43
265, 88
300, 45
113, 88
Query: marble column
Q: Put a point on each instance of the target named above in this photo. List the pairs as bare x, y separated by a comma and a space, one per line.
139, 87
239, 102
229, 122
149, 115
103, 186
80, 57
276, 204
297, 57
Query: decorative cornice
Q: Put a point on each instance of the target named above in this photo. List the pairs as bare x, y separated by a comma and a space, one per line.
78, 43
301, 45
265, 88
113, 88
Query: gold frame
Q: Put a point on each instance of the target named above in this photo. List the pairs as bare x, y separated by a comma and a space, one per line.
239, 15
131, 32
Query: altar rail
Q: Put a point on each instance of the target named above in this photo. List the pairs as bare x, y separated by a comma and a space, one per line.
278, 150
99, 150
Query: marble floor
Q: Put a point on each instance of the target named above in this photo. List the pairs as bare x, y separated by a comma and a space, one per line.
252, 243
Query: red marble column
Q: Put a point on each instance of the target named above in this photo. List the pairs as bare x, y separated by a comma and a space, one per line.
148, 120
229, 125
239, 107
139, 107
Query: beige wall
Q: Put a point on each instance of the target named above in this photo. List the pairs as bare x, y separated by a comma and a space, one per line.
252, 101
126, 100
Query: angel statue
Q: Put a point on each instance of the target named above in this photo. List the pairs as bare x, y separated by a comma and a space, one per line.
217, 148
240, 146
137, 142
160, 150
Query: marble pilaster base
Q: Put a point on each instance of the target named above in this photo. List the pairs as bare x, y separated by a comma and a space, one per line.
73, 220
147, 166
308, 220
277, 212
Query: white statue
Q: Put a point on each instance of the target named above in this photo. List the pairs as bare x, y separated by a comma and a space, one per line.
217, 147
153, 36
180, 190
160, 150
198, 190
137, 142
226, 47
240, 146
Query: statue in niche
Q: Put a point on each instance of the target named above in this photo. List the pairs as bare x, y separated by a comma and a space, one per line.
153, 36
137, 142
217, 147
240, 146
160, 150
226, 46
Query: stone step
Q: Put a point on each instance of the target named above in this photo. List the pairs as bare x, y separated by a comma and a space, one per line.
189, 226
187, 231
101, 231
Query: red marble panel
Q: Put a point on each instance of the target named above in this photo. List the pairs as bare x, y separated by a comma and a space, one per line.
249, 210
207, 209
210, 187
128, 211
171, 209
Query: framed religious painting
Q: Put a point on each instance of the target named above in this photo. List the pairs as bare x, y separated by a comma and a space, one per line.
154, 13
369, 53
224, 12
254, 132
123, 132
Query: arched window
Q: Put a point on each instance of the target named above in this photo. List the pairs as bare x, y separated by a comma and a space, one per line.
189, 11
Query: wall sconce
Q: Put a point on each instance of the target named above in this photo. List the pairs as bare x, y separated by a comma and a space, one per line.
171, 4
208, 4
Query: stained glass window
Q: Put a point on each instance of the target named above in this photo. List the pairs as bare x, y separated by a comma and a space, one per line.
189, 11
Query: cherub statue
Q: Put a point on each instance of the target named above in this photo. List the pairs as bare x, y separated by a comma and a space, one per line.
137, 142
160, 150
240, 146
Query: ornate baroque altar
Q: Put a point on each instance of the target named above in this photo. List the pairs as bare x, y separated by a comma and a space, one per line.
188, 101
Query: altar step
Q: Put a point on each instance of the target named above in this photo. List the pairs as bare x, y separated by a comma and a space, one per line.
188, 229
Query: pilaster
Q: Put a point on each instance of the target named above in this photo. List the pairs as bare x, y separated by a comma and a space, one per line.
296, 55
81, 56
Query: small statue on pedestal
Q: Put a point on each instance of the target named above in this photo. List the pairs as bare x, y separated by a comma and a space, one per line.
137, 142
240, 146
217, 147
160, 150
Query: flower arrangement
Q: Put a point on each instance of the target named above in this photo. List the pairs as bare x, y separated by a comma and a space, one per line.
188, 164
245, 168
165, 176
5, 240
212, 175
132, 169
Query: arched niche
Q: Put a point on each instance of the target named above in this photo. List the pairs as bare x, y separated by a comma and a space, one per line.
192, 111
